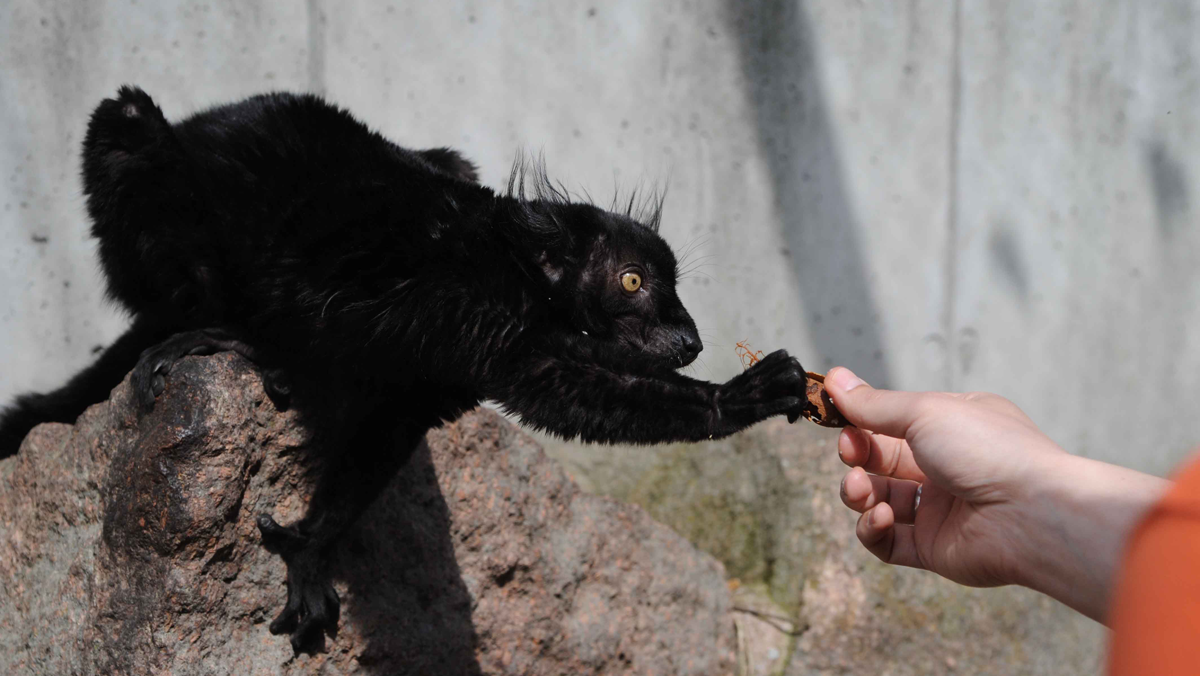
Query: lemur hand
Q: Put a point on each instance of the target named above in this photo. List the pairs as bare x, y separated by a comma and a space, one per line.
773, 386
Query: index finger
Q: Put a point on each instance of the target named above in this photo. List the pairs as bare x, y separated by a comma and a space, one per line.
878, 454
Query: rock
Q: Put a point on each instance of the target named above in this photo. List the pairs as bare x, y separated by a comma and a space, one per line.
809, 599
128, 546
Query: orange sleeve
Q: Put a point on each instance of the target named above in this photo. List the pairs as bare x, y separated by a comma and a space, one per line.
1155, 616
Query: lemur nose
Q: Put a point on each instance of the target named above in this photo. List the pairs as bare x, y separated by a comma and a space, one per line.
690, 344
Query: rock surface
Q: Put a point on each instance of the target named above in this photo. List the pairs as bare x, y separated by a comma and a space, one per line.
810, 600
128, 546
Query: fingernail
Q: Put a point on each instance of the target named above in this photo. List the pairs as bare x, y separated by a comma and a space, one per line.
845, 380
871, 518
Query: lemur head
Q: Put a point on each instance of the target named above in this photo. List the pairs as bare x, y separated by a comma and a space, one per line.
610, 280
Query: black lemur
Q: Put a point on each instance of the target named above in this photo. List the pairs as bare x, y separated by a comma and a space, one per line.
382, 291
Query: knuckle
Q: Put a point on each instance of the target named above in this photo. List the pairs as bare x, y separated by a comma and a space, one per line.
992, 401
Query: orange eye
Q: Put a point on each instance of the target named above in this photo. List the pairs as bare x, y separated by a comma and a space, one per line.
631, 282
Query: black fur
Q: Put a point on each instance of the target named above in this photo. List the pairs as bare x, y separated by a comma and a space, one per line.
382, 291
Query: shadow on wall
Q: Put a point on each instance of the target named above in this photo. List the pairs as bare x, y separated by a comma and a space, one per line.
775, 46
1169, 180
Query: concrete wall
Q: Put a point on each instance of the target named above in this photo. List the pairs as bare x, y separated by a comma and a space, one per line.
988, 195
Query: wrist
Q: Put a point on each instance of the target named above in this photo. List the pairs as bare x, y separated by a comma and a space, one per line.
1082, 512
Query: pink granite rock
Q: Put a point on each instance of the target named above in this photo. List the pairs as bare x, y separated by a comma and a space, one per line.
129, 546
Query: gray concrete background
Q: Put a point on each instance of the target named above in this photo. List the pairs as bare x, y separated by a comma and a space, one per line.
990, 195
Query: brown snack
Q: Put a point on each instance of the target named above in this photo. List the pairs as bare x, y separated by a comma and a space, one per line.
820, 408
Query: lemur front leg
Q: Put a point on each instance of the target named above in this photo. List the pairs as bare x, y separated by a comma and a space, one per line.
573, 398
150, 373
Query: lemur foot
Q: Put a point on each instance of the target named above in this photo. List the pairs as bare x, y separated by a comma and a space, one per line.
149, 377
278, 387
312, 607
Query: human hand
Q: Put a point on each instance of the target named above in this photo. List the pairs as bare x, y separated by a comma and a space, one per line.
1000, 502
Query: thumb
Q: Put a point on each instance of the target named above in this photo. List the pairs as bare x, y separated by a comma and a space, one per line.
883, 411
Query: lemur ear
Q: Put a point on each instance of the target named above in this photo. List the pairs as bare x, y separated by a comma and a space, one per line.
551, 269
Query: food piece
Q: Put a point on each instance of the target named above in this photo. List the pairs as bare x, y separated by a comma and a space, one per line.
820, 408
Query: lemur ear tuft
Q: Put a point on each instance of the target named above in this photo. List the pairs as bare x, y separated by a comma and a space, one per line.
538, 204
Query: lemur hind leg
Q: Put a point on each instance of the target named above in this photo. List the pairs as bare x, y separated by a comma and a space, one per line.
150, 374
356, 474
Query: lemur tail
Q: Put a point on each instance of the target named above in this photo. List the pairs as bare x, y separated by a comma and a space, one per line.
90, 386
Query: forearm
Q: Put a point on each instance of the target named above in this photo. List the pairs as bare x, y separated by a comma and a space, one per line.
575, 396
1083, 514
599, 406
